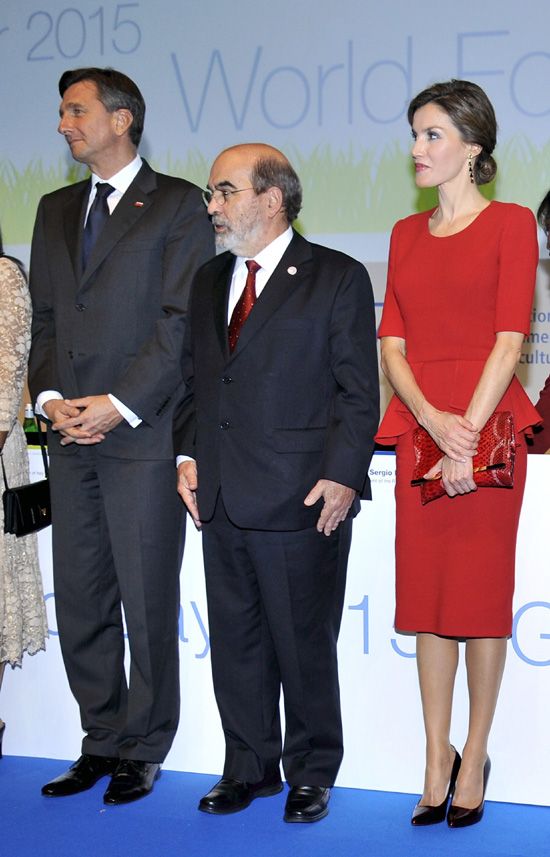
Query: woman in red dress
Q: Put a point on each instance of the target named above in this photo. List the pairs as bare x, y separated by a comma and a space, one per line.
460, 287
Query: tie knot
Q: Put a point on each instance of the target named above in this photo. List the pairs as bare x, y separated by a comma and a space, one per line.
103, 189
252, 265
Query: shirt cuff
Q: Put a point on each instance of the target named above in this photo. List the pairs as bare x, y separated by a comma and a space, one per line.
41, 400
125, 412
181, 458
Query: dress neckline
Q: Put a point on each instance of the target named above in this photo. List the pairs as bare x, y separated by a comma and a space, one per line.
460, 231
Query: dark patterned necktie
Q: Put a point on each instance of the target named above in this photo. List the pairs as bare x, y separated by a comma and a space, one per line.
244, 304
97, 215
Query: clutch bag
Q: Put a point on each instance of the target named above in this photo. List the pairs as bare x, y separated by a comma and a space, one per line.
493, 462
27, 508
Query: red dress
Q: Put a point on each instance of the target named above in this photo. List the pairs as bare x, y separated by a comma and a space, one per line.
448, 297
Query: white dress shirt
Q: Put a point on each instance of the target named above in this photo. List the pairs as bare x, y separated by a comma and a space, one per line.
268, 259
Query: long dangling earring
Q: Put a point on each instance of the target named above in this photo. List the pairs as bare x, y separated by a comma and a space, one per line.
470, 169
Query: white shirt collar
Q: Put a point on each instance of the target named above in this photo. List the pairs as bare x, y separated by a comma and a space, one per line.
268, 258
271, 255
122, 180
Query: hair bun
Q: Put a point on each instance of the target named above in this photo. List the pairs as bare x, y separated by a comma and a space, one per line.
485, 168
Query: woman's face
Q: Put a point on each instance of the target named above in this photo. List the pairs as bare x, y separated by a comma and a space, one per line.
439, 153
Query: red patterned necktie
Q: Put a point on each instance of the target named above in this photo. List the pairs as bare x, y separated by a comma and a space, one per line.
244, 304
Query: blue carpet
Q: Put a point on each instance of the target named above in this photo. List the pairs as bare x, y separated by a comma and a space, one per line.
360, 824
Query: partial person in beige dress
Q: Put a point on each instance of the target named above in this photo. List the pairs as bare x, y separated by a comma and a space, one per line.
23, 625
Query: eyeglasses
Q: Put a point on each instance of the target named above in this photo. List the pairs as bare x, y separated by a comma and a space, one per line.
220, 195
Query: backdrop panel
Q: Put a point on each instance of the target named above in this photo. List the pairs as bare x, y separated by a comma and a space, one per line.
328, 83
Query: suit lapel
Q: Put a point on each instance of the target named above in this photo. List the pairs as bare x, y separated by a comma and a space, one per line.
285, 279
74, 213
220, 298
130, 209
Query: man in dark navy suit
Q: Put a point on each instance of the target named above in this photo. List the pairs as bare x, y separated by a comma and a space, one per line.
111, 266
276, 435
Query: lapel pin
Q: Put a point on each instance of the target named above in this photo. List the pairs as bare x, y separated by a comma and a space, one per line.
138, 205
292, 270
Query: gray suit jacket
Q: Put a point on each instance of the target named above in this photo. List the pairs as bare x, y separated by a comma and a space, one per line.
117, 327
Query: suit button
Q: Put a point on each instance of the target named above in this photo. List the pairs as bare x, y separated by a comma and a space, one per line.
225, 424
80, 307
226, 379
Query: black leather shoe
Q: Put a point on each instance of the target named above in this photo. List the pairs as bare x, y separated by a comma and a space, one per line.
233, 795
306, 803
423, 815
81, 776
130, 781
459, 816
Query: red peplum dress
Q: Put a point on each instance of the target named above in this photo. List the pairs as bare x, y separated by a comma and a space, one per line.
448, 297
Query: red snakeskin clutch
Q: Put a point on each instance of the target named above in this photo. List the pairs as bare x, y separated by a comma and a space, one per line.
493, 463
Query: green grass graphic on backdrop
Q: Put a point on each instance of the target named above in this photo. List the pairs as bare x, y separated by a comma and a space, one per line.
344, 191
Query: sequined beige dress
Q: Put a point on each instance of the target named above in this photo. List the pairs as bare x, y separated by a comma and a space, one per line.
23, 625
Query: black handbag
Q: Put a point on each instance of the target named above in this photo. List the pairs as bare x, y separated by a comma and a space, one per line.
27, 508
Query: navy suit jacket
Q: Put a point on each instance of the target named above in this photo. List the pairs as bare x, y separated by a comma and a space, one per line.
297, 400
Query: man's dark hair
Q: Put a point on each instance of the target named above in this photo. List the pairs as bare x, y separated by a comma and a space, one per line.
543, 213
277, 172
115, 90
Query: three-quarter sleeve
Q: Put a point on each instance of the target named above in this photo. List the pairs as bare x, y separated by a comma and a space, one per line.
518, 259
392, 323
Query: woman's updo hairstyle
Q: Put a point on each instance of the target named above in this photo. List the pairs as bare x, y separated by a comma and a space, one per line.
472, 114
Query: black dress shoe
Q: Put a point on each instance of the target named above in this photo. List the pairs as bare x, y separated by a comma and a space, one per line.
81, 776
130, 781
459, 816
306, 803
423, 815
230, 795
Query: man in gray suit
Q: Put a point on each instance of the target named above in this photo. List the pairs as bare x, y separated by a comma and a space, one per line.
111, 264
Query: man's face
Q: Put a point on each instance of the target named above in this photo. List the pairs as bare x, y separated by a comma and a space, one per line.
239, 219
88, 128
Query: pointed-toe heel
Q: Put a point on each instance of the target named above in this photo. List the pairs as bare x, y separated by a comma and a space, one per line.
460, 816
424, 815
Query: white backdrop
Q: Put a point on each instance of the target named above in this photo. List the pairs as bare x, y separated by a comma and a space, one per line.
329, 84
381, 708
